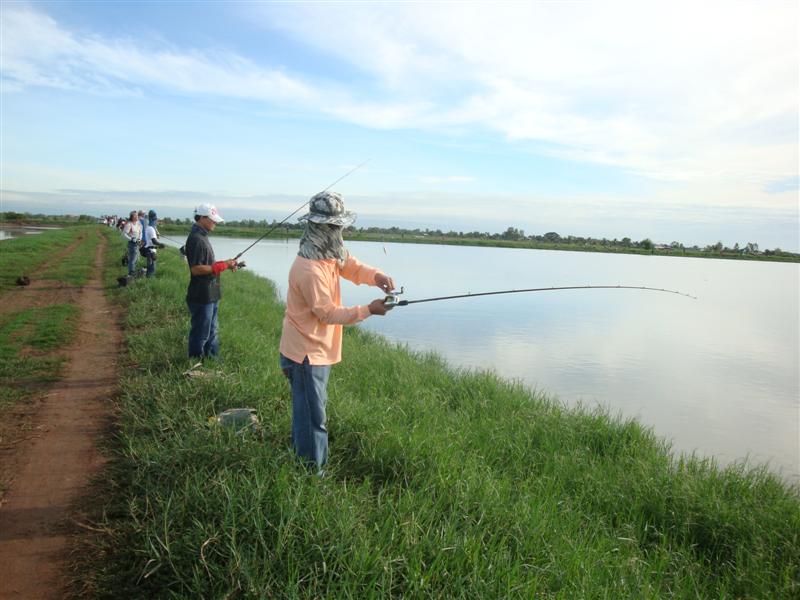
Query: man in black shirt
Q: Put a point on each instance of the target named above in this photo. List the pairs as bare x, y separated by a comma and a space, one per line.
204, 293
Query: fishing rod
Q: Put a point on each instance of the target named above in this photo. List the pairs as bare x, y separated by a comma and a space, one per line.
299, 208
392, 299
170, 239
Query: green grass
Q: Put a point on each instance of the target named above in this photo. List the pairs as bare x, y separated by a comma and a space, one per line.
442, 483
76, 267
28, 339
24, 255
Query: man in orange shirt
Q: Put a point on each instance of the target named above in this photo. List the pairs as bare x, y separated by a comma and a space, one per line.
312, 327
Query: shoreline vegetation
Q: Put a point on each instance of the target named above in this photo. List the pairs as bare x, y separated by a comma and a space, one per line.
442, 482
511, 238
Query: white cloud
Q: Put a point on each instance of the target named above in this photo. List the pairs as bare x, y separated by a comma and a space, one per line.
679, 92
36, 51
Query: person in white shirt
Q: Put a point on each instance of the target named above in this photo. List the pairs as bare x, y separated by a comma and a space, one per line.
133, 233
151, 243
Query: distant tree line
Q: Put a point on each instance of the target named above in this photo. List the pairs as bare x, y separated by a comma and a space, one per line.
510, 235
552, 238
513, 234
22, 218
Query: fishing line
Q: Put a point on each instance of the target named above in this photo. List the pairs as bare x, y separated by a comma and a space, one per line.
392, 299
169, 239
299, 208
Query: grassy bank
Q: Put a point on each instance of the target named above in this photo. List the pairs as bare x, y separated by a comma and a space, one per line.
441, 484
30, 337
26, 254
28, 341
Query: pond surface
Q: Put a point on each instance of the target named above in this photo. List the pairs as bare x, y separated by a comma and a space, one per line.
9, 233
717, 376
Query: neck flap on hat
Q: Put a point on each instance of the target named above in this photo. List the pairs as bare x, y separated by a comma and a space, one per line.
322, 241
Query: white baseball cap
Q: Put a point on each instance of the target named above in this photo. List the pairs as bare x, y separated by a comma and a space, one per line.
210, 211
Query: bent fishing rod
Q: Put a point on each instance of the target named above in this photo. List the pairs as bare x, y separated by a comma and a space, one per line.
299, 208
392, 299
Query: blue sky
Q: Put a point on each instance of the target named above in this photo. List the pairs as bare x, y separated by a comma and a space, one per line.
674, 121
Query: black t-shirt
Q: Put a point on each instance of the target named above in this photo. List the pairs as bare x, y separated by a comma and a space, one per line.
203, 289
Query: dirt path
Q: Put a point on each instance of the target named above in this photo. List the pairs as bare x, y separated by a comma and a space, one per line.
54, 464
42, 292
20, 424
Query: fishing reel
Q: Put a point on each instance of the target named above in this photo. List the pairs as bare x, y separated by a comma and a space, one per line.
391, 299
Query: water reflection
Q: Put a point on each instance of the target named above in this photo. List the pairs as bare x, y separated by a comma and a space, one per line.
717, 375
9, 233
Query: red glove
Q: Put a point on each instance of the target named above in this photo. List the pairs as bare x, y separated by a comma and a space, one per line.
218, 267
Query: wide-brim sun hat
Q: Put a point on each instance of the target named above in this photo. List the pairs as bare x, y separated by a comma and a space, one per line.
210, 211
328, 208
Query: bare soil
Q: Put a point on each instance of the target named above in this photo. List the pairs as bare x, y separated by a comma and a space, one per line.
49, 446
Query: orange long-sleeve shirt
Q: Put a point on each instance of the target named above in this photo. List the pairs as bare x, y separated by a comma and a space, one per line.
312, 325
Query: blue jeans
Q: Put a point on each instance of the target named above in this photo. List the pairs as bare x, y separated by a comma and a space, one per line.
133, 256
309, 398
151, 264
203, 340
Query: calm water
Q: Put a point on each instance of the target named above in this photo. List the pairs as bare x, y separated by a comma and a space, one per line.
717, 376
8, 233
